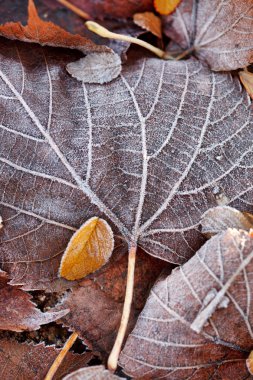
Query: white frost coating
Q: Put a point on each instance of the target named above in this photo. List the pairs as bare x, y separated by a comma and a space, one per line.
140, 152
96, 68
218, 300
220, 31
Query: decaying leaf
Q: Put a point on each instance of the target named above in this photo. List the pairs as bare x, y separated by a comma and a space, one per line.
197, 322
96, 68
47, 33
31, 362
247, 80
96, 305
150, 153
18, 312
166, 7
218, 219
59, 15
97, 372
88, 250
150, 22
219, 31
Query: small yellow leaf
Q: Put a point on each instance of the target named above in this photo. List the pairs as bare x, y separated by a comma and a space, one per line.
249, 363
165, 7
247, 80
88, 249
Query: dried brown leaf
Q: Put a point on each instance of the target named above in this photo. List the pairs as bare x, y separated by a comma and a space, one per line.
31, 362
197, 322
92, 373
219, 31
150, 153
218, 219
100, 299
18, 312
150, 22
47, 33
247, 80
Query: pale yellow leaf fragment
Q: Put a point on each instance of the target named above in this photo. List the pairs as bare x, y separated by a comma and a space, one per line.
165, 7
247, 80
88, 249
150, 22
249, 363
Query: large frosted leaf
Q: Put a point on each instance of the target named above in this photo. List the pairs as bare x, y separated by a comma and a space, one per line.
149, 152
221, 31
198, 322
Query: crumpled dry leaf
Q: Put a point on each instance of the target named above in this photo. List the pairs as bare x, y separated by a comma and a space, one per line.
88, 250
47, 33
96, 68
32, 362
219, 219
211, 294
97, 372
18, 312
119, 151
166, 7
220, 31
150, 22
247, 80
113, 8
96, 305
59, 15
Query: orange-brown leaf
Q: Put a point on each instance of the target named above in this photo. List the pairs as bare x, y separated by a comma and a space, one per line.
247, 80
150, 22
88, 250
47, 33
166, 7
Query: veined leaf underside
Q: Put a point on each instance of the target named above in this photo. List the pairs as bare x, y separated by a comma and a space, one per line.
150, 152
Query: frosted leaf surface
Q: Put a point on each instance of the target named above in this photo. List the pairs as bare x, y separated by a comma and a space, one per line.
220, 30
197, 322
149, 152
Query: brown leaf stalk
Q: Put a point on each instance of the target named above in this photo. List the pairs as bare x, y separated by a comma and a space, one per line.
114, 355
75, 9
59, 359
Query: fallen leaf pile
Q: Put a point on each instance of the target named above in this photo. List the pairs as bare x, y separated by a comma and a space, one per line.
105, 150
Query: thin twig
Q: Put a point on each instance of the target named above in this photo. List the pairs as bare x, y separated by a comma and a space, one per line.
114, 355
69, 343
103, 32
75, 9
184, 53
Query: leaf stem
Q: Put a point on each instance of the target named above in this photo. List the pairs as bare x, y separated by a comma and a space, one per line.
185, 53
103, 32
114, 355
58, 360
75, 9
